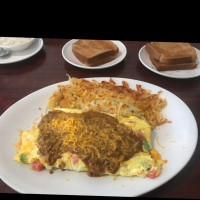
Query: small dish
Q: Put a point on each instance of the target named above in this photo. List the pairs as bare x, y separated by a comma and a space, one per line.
16, 56
179, 74
70, 58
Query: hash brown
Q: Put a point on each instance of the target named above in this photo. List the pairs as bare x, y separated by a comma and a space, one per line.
106, 96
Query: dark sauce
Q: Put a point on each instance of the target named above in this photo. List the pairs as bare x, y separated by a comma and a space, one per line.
99, 140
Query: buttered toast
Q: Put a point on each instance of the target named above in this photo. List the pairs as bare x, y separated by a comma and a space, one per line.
171, 55
164, 67
94, 52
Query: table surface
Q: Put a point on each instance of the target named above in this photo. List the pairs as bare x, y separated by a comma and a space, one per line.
48, 67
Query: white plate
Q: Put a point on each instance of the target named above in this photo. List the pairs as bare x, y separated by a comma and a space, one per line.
16, 56
70, 58
180, 74
178, 140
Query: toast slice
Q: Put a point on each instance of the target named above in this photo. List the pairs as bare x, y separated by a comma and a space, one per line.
164, 67
171, 52
94, 52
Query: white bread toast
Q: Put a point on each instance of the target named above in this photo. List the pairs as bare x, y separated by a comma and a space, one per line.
94, 52
171, 55
164, 67
171, 52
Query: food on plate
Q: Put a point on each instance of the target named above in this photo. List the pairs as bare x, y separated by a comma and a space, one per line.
164, 67
94, 52
13, 41
97, 127
108, 97
171, 55
96, 142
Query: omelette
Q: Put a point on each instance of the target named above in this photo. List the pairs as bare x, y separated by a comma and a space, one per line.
94, 142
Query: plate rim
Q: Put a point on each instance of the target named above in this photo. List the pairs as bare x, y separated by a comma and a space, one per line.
118, 79
159, 72
107, 65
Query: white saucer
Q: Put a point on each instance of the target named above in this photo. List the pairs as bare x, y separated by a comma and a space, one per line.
70, 58
16, 56
180, 74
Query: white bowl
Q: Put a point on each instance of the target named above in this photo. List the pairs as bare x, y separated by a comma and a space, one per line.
19, 47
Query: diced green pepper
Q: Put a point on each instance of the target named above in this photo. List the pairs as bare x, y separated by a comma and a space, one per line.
145, 164
148, 168
22, 157
146, 144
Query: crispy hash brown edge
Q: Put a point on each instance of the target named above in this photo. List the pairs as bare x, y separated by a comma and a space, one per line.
106, 96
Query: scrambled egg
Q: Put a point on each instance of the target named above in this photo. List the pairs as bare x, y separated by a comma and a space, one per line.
144, 164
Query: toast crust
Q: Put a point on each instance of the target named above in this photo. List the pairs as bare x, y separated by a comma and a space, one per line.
171, 52
164, 67
94, 52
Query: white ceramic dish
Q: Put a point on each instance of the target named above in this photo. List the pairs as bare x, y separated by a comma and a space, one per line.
16, 56
19, 47
70, 58
178, 140
179, 74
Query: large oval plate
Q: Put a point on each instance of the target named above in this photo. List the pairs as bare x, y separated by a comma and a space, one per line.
176, 143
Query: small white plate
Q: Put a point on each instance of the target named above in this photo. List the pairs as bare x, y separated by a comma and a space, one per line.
70, 58
16, 56
176, 142
180, 74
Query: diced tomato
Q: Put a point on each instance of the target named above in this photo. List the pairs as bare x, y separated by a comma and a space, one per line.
152, 174
132, 122
74, 159
140, 135
36, 165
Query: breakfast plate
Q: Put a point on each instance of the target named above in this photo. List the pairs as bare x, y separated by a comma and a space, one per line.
180, 74
176, 144
70, 58
16, 56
